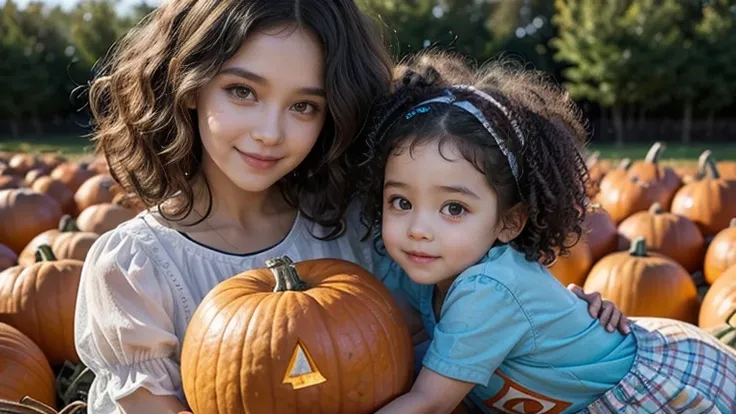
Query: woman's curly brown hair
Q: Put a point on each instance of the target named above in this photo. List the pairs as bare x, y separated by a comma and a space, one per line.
552, 171
150, 137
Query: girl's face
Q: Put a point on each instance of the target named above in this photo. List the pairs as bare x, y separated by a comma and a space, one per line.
262, 114
439, 213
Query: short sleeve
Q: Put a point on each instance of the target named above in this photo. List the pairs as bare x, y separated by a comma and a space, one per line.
395, 279
481, 324
124, 329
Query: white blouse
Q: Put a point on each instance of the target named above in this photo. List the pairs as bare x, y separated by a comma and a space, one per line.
142, 282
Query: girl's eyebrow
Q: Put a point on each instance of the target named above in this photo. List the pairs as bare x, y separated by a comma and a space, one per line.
394, 184
254, 77
458, 189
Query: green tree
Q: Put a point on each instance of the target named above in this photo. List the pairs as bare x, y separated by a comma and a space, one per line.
619, 52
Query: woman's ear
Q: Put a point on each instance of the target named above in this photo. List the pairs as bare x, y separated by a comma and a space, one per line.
513, 223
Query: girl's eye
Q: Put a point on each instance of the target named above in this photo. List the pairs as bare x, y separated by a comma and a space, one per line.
241, 93
305, 108
400, 203
453, 210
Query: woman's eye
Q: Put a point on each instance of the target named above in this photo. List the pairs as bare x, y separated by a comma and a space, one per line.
400, 203
241, 92
453, 210
305, 108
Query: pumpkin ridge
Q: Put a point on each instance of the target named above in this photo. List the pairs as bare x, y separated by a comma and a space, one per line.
232, 309
325, 317
349, 307
395, 327
275, 301
7, 350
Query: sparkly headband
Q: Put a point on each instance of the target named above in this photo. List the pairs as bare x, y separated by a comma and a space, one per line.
451, 99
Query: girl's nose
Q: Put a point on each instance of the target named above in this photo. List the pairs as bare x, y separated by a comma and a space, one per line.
269, 129
419, 229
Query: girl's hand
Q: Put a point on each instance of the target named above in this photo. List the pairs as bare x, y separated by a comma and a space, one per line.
605, 310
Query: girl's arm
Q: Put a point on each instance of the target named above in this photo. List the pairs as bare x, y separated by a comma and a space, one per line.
142, 401
431, 393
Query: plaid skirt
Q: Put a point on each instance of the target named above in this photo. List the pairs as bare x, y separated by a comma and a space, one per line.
677, 369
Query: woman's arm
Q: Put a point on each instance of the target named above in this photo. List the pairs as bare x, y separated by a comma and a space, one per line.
142, 401
432, 393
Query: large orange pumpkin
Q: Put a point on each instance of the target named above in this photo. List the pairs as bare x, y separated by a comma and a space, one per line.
574, 267
669, 234
59, 191
710, 202
26, 213
39, 300
320, 336
24, 370
721, 253
97, 190
627, 196
641, 283
600, 232
72, 174
8, 258
613, 175
101, 218
662, 178
719, 301
67, 242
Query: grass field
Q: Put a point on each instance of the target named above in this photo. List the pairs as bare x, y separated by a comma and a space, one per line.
79, 147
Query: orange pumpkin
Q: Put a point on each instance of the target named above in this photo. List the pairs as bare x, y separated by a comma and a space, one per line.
641, 283
596, 171
720, 300
727, 169
721, 253
59, 191
34, 175
8, 182
67, 242
669, 234
612, 176
663, 179
628, 196
22, 163
320, 336
101, 218
8, 258
40, 300
26, 213
72, 174
97, 190
51, 161
600, 232
573, 267
25, 370
709, 202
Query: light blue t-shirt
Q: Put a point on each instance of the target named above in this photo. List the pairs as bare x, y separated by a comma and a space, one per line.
509, 326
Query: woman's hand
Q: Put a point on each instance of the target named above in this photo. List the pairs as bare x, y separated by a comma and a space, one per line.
605, 310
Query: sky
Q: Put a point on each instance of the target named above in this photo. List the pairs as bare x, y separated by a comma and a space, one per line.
123, 4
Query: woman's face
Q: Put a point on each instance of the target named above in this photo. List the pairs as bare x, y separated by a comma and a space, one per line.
260, 116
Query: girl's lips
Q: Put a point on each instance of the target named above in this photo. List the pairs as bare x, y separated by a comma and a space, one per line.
420, 258
257, 161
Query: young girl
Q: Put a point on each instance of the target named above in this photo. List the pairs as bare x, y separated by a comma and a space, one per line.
231, 120
477, 185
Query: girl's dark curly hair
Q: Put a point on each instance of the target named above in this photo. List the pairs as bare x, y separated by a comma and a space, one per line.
552, 171
149, 136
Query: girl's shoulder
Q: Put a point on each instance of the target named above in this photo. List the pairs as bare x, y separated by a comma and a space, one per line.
506, 266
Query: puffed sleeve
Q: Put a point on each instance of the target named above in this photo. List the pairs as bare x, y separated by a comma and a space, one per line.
481, 324
123, 324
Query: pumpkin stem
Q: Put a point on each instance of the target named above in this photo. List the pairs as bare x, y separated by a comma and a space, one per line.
624, 164
706, 161
656, 208
45, 254
67, 224
731, 320
287, 279
654, 152
638, 247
